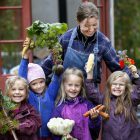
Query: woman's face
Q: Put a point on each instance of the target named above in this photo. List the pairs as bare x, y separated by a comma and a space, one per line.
38, 85
72, 86
18, 92
118, 86
88, 26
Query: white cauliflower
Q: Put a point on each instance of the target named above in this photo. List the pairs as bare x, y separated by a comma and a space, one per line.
59, 126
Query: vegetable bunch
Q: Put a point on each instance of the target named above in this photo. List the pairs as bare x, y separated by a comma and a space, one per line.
46, 35
6, 105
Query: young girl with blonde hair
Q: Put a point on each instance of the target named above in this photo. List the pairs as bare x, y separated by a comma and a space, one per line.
28, 119
121, 100
73, 104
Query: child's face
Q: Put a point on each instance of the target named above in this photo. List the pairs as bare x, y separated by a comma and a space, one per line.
118, 86
38, 85
18, 92
72, 86
89, 26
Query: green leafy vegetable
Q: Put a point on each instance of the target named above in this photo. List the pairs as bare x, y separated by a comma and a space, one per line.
6, 105
46, 35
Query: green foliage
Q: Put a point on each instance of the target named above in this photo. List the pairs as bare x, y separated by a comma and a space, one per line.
6, 106
127, 29
46, 35
6, 102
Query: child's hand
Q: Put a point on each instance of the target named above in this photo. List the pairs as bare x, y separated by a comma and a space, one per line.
134, 71
26, 48
68, 137
11, 124
93, 113
58, 69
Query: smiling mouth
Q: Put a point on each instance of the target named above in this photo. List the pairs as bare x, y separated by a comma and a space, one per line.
17, 97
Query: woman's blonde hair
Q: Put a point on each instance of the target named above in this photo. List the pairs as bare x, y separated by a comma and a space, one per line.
70, 71
123, 102
11, 81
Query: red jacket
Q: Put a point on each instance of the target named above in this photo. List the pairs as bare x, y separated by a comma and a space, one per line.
29, 122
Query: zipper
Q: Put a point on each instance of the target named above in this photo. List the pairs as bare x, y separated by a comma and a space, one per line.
39, 108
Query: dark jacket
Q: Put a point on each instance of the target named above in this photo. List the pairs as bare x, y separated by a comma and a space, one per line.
84, 128
117, 128
86, 46
29, 123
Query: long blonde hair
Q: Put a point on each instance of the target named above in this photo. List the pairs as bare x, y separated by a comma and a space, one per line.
11, 81
123, 102
70, 71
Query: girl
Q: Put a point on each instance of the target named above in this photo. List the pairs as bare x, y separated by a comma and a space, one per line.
73, 104
40, 96
120, 102
29, 120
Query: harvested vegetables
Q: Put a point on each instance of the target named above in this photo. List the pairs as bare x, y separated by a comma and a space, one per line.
100, 108
46, 35
60, 126
6, 105
90, 62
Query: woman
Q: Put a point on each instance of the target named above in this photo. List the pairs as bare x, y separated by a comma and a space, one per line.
85, 38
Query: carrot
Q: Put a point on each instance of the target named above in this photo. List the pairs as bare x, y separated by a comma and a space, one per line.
100, 109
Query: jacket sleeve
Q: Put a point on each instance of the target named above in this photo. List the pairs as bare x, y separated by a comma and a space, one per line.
112, 60
47, 65
23, 68
94, 124
93, 92
31, 124
57, 113
53, 87
110, 57
136, 92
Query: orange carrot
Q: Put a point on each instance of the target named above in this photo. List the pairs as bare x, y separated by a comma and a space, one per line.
100, 109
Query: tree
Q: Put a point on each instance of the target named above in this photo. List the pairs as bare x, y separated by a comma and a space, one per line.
127, 27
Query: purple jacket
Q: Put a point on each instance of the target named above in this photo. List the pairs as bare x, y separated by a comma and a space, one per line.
117, 128
84, 128
29, 122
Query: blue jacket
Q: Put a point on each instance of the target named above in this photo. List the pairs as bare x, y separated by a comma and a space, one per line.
44, 104
84, 128
80, 44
